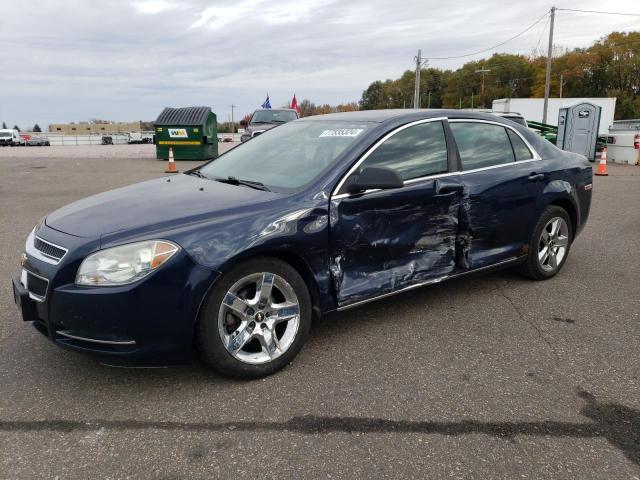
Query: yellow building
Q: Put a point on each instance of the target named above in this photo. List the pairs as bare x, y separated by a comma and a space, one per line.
95, 128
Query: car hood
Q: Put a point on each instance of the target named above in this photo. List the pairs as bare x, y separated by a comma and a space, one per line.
262, 126
155, 204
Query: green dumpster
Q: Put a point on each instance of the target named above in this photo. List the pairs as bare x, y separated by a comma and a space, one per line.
191, 132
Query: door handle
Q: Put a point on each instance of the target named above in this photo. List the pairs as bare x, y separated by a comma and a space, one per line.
443, 189
534, 177
446, 191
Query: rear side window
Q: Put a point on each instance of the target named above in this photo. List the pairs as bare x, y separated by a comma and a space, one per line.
414, 152
482, 144
520, 150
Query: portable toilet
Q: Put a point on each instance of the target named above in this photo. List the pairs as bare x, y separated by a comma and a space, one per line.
578, 128
191, 132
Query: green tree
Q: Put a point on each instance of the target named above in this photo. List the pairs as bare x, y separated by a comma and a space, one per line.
15, 127
372, 96
4, 125
36, 128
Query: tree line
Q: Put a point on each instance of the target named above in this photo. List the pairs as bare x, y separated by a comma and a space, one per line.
609, 68
36, 127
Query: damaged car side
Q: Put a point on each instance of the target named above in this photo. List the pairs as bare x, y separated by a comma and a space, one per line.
233, 259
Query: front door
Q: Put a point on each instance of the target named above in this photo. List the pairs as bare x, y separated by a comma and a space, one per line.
387, 240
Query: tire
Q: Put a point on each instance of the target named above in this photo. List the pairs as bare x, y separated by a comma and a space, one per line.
237, 329
549, 249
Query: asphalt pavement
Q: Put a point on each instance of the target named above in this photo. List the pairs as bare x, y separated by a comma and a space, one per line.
494, 376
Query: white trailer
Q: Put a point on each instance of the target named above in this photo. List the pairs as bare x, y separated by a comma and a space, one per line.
532, 108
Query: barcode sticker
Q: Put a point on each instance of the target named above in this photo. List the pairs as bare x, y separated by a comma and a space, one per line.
342, 132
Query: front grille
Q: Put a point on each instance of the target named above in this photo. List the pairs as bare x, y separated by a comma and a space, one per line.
48, 249
36, 285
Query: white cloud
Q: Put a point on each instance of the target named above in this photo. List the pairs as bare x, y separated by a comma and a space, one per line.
218, 16
152, 7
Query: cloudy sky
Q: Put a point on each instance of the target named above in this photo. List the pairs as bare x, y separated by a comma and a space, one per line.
72, 60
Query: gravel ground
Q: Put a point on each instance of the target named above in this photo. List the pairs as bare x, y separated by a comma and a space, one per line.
90, 151
487, 377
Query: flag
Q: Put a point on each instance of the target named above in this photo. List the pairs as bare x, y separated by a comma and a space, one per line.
266, 103
294, 104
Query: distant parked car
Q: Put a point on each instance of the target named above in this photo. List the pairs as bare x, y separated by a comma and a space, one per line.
264, 119
141, 137
107, 140
10, 137
38, 142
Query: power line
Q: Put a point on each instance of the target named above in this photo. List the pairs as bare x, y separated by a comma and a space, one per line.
495, 46
598, 11
544, 29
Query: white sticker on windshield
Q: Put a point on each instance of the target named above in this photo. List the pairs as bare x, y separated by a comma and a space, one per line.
342, 132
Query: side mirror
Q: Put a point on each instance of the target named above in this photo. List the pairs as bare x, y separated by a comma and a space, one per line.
243, 123
375, 178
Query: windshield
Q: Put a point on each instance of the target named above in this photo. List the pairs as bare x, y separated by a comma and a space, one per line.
287, 157
273, 116
5, 134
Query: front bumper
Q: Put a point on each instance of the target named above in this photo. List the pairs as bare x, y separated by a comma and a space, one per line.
150, 322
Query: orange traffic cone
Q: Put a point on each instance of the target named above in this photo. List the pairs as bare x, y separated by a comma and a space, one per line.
602, 167
171, 166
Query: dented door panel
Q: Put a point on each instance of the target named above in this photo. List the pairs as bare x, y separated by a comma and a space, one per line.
389, 240
498, 213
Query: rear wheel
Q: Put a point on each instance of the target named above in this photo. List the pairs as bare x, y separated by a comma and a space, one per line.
549, 244
255, 320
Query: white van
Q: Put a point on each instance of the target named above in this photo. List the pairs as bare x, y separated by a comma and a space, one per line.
11, 137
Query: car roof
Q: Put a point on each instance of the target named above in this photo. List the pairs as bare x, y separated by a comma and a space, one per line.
381, 116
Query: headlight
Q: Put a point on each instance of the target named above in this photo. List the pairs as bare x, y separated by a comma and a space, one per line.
124, 264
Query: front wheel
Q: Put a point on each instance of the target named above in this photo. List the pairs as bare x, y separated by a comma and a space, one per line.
255, 320
549, 244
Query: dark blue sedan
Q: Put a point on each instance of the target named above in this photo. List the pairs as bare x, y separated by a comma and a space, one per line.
235, 258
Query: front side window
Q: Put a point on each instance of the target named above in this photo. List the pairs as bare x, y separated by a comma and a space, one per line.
482, 144
414, 152
289, 156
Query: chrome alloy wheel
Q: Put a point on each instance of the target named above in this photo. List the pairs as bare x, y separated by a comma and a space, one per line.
553, 244
259, 318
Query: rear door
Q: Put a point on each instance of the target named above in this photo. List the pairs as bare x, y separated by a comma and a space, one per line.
502, 178
386, 240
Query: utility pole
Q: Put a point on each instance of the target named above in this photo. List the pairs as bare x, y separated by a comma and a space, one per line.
429, 104
483, 71
416, 91
547, 78
233, 126
472, 100
561, 84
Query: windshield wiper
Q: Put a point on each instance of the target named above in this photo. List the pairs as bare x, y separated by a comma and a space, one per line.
247, 183
199, 174
255, 123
